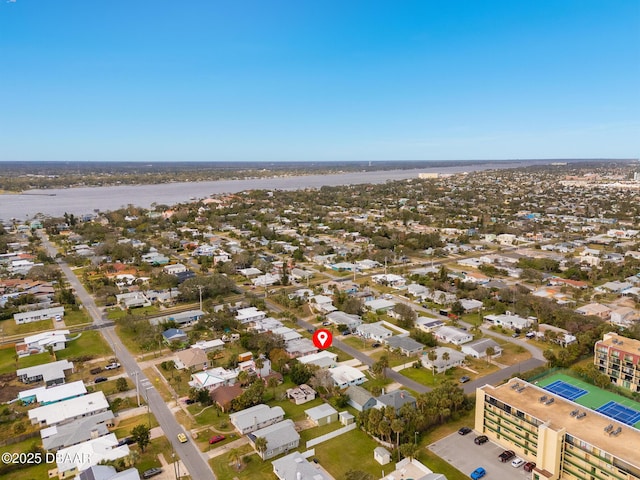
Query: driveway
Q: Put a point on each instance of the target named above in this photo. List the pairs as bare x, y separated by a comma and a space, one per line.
466, 456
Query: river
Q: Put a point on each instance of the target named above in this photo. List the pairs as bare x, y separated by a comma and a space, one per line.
83, 200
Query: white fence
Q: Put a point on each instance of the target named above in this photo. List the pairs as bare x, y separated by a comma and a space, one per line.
330, 435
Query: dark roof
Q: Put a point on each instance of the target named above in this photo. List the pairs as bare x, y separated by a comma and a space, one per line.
223, 395
358, 394
396, 399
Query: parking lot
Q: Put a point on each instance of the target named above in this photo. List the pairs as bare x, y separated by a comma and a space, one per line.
466, 456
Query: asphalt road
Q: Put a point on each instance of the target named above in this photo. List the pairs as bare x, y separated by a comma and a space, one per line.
190, 455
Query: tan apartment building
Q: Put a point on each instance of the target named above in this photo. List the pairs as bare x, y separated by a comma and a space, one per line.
564, 439
619, 358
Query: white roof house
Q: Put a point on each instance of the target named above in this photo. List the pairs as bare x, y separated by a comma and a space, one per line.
78, 431
440, 365
374, 331
510, 321
323, 359
250, 314
75, 459
41, 342
351, 321
478, 349
36, 315
68, 410
286, 333
379, 304
390, 279
296, 467
428, 325
254, 418
345, 376
407, 345
50, 373
300, 347
453, 335
214, 377
322, 414
44, 396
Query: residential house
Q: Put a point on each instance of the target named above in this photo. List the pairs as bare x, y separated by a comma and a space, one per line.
322, 304
208, 346
301, 394
223, 396
300, 347
360, 398
414, 469
440, 365
37, 315
396, 400
508, 320
174, 269
406, 345
322, 359
188, 317
429, 325
470, 305
281, 437
53, 373
389, 279
296, 467
132, 300
78, 431
254, 418
351, 321
174, 335
250, 314
478, 348
374, 331
624, 317
453, 335
322, 414
69, 410
595, 309
345, 376
191, 359
107, 472
379, 305
45, 396
41, 342
213, 378
417, 290
77, 458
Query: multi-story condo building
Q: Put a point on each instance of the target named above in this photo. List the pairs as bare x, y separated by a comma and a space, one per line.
619, 358
564, 439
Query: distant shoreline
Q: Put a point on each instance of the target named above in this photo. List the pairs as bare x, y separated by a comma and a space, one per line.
86, 200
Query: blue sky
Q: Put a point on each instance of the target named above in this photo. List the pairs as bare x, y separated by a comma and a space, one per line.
298, 80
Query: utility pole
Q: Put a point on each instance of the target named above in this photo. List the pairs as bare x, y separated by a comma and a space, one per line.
200, 290
137, 373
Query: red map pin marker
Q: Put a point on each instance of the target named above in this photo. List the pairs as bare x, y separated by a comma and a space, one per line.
322, 338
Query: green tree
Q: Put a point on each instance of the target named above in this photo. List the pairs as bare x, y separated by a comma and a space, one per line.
141, 435
261, 445
490, 351
121, 384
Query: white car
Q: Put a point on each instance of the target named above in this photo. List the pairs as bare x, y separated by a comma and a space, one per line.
112, 366
517, 462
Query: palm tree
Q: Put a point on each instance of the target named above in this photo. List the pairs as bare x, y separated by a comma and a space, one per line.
260, 443
259, 363
432, 356
235, 457
398, 427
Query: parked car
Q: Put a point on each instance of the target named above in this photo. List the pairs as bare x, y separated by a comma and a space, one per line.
529, 466
152, 472
100, 379
464, 430
506, 455
376, 345
126, 441
182, 438
478, 473
216, 439
515, 335
112, 366
517, 462
326, 324
189, 401
95, 371
465, 379
346, 332
480, 439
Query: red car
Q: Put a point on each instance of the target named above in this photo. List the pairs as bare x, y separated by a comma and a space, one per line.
216, 439
529, 466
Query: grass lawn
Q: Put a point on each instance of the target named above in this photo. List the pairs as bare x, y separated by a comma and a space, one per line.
511, 353
149, 458
352, 450
9, 327
76, 317
178, 379
394, 359
33, 360
426, 377
253, 466
7, 359
311, 433
34, 472
211, 416
125, 426
109, 388
296, 412
152, 375
342, 357
357, 343
374, 382
89, 343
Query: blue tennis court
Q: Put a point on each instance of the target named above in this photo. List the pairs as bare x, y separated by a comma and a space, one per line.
565, 390
618, 412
